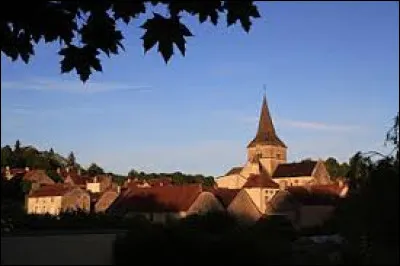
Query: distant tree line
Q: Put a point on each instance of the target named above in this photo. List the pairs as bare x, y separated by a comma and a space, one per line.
21, 157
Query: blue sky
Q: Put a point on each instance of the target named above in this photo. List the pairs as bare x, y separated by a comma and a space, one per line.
330, 68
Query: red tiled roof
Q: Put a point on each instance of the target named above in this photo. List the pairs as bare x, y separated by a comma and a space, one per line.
234, 170
224, 195
260, 180
16, 171
38, 176
51, 190
158, 199
77, 179
295, 169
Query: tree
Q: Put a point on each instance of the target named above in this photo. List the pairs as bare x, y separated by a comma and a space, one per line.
18, 156
332, 166
392, 136
133, 172
54, 175
84, 29
17, 146
51, 152
71, 159
6, 156
94, 170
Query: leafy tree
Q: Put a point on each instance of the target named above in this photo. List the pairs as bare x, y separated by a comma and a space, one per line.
71, 159
7, 156
133, 172
94, 170
17, 146
18, 156
332, 166
54, 175
208, 181
26, 186
85, 29
392, 136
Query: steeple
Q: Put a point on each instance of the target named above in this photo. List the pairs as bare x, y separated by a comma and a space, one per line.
266, 132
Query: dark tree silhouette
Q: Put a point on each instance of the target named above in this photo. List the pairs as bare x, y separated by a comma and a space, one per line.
84, 29
94, 170
71, 159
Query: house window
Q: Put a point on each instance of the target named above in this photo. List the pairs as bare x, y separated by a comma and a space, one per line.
296, 181
52, 199
278, 156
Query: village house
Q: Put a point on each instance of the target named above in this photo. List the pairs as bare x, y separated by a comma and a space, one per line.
98, 184
307, 206
8, 173
101, 201
165, 203
75, 179
37, 178
56, 198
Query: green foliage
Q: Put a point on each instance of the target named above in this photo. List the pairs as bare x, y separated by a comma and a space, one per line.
54, 176
26, 186
336, 169
133, 172
216, 234
94, 170
71, 161
85, 29
369, 216
7, 156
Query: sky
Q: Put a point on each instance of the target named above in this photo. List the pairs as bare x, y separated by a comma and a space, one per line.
331, 71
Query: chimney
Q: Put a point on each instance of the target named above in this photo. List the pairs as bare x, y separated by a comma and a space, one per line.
58, 170
118, 189
282, 185
67, 169
341, 184
26, 169
129, 180
7, 168
79, 171
95, 179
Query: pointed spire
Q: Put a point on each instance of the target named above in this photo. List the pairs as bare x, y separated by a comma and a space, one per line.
266, 131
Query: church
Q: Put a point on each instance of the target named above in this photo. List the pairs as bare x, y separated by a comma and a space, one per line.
267, 184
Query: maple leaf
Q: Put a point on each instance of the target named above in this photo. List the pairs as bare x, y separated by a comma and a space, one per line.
165, 32
82, 59
241, 10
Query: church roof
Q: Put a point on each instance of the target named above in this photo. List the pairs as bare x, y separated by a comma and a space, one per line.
234, 170
304, 168
224, 195
260, 180
266, 132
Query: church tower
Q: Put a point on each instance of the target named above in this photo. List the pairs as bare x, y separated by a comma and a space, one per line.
266, 147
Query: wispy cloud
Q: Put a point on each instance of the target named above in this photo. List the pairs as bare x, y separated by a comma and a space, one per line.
284, 123
316, 125
53, 112
70, 86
